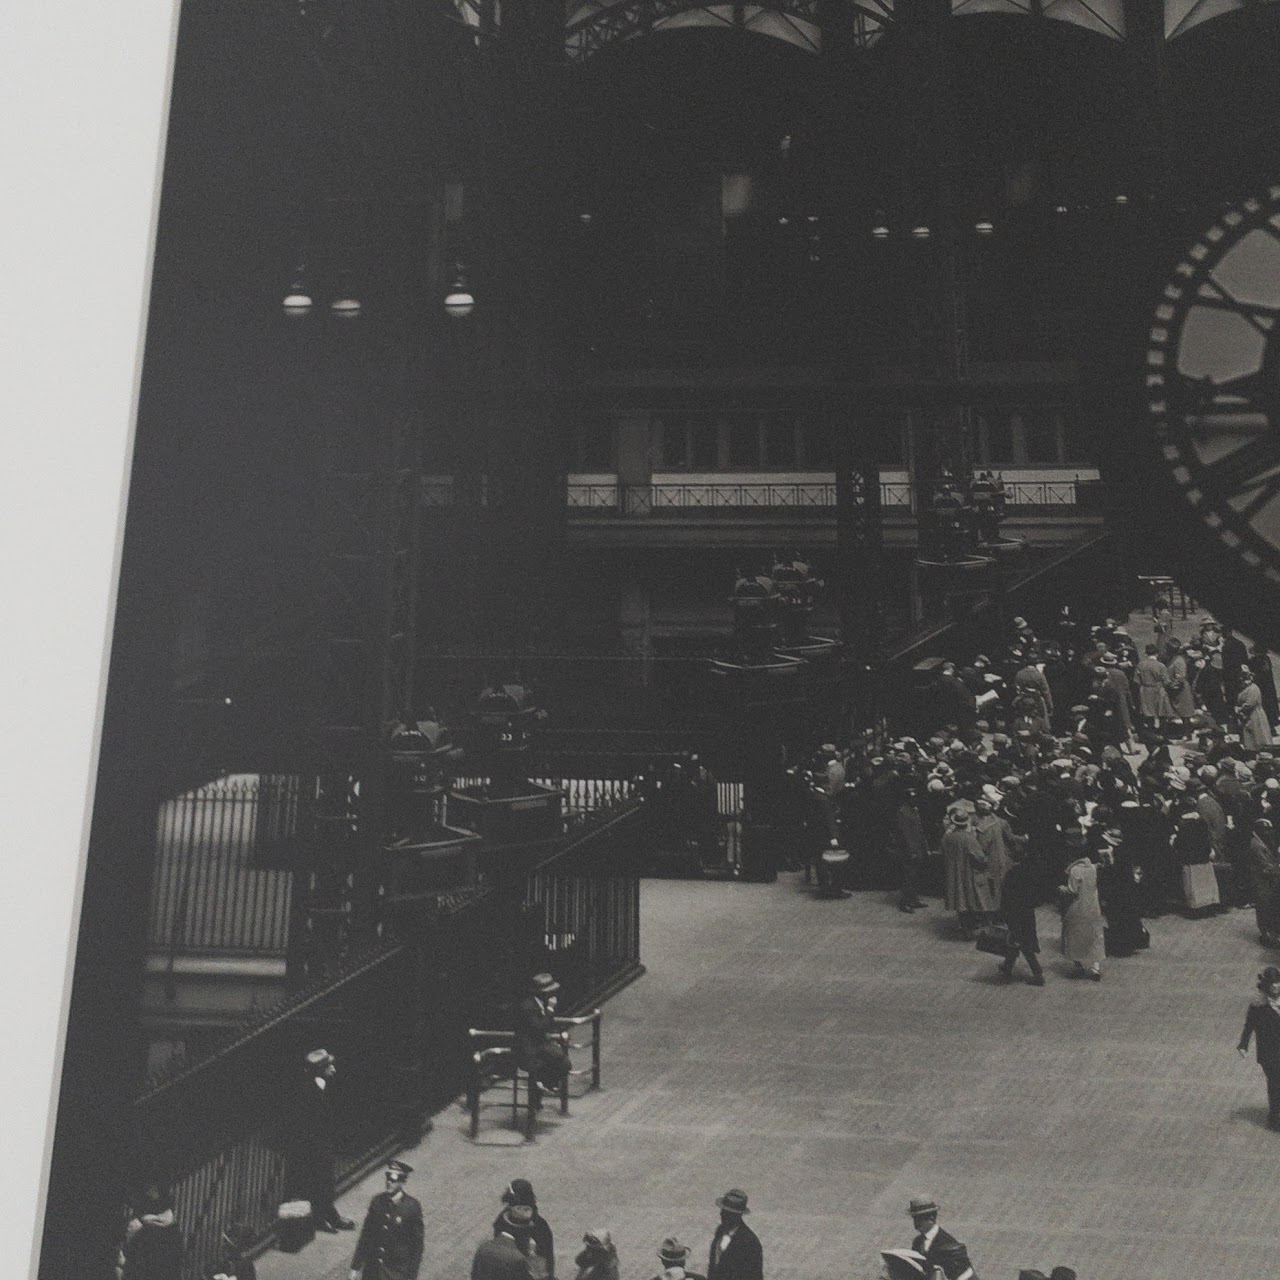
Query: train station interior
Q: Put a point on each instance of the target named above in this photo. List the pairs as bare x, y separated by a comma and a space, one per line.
594, 460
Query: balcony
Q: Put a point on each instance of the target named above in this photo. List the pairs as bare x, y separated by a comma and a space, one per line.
1044, 506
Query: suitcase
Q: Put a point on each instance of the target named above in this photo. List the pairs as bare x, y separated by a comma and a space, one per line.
294, 1227
1200, 886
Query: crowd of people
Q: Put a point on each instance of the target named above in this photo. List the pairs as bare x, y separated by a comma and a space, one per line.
1068, 769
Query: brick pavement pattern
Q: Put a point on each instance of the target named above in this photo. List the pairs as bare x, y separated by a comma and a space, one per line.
835, 1058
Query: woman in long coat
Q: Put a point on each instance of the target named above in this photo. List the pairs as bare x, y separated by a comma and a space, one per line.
1151, 679
1118, 892
1264, 878
994, 838
968, 889
1255, 732
1182, 697
1083, 940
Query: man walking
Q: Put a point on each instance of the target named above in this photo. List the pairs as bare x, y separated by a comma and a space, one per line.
1263, 1022
735, 1249
938, 1248
390, 1243
502, 1257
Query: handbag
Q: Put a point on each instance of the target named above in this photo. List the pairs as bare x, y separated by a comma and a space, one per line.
994, 939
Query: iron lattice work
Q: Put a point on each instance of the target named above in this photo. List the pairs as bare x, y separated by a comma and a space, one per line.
590, 28
362, 638
595, 26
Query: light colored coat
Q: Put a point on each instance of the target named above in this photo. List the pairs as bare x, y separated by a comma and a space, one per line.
1255, 732
1181, 696
1082, 923
968, 887
1151, 679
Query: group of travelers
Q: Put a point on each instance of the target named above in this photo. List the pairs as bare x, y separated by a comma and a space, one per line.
1071, 772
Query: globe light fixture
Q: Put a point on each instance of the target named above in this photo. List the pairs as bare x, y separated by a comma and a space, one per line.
297, 298
459, 301
880, 231
984, 227
920, 232
1122, 199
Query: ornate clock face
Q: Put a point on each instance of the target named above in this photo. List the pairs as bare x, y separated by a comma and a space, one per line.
1213, 382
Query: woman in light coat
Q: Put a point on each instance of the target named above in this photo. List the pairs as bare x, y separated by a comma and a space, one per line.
1182, 697
1151, 680
1255, 732
1083, 940
968, 886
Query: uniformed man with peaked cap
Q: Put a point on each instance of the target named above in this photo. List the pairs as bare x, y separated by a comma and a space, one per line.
390, 1244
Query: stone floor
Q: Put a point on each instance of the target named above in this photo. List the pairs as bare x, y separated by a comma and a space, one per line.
834, 1058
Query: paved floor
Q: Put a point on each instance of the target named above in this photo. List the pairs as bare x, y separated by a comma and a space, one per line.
836, 1058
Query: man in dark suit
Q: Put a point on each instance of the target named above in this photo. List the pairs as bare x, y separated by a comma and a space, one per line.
938, 1248
313, 1151
535, 1024
501, 1258
1263, 1022
735, 1248
542, 1261
390, 1244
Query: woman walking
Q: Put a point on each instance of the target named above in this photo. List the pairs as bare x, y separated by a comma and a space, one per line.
1083, 940
968, 889
599, 1257
1255, 732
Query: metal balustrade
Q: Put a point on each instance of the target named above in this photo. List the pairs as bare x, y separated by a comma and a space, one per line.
699, 496
220, 1129
673, 496
221, 882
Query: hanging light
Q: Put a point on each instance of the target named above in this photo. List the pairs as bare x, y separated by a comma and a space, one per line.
459, 301
345, 304
920, 232
1060, 209
585, 219
881, 228
297, 298
984, 227
1122, 199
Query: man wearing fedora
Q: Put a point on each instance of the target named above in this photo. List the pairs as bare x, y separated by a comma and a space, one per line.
536, 1051
314, 1153
1262, 1023
505, 1256
390, 1243
542, 1260
673, 1255
938, 1248
735, 1249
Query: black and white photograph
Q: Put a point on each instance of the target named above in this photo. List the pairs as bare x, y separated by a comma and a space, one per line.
689, 675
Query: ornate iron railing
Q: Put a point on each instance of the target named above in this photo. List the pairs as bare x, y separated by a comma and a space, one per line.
663, 497
221, 881
221, 1130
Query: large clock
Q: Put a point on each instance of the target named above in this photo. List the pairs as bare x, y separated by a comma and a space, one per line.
1213, 383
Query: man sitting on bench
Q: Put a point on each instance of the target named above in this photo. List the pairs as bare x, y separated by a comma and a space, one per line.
536, 1049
